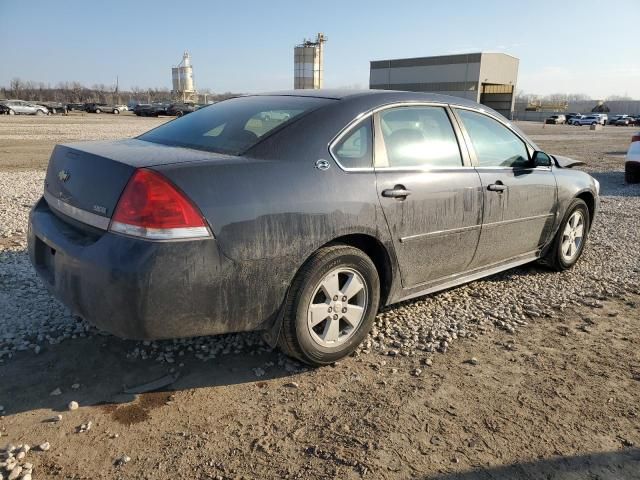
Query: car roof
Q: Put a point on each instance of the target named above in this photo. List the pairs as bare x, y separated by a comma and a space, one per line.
381, 96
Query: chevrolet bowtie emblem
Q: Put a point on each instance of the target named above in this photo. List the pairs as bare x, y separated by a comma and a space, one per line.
63, 175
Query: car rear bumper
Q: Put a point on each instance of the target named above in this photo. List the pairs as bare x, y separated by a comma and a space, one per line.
135, 288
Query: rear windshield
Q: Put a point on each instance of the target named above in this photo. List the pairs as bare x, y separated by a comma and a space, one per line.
233, 126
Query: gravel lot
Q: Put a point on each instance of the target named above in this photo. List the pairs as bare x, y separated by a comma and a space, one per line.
400, 358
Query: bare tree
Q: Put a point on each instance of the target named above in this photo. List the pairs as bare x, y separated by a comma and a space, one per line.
16, 86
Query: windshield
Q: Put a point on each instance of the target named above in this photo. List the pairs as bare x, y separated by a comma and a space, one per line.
235, 125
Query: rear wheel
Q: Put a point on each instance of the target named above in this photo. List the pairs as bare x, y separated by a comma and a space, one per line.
11, 112
571, 237
116, 111
331, 305
98, 110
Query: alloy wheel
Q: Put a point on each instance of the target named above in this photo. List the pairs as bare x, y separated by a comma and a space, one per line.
337, 307
572, 236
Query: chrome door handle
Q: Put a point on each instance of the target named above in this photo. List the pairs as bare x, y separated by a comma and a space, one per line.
497, 187
398, 192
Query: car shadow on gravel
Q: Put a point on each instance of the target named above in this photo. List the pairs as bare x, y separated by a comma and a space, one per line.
613, 184
96, 371
617, 465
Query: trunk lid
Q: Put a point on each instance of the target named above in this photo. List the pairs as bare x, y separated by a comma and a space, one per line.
90, 176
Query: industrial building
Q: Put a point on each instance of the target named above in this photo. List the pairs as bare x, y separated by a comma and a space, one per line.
308, 63
487, 78
182, 80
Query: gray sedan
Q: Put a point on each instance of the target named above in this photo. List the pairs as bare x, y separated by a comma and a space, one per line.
20, 107
300, 214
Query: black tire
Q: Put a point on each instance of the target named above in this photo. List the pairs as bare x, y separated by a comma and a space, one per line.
553, 258
98, 110
116, 111
179, 113
11, 112
295, 339
632, 172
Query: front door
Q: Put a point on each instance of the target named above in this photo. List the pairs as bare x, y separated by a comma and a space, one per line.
431, 197
519, 199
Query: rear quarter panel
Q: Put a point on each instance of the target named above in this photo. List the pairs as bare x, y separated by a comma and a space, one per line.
269, 216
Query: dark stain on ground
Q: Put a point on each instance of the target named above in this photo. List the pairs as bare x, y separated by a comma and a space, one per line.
138, 411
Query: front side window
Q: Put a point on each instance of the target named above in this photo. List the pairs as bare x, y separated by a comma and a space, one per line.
233, 126
355, 150
494, 144
419, 137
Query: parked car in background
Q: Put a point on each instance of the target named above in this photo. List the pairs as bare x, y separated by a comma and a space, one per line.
151, 109
104, 108
625, 120
603, 118
56, 107
76, 106
180, 109
570, 116
615, 118
556, 119
304, 226
20, 107
587, 120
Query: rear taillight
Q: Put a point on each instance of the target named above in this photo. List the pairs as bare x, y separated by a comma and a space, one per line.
152, 207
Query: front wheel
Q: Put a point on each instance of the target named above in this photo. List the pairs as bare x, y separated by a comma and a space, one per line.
11, 112
39, 112
330, 306
98, 110
571, 237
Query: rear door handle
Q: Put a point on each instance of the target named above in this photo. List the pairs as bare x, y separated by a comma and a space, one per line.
398, 192
497, 187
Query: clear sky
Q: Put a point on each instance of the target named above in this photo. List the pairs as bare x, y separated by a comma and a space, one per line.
587, 46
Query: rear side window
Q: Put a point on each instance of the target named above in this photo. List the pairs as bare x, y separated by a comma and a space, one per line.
233, 126
495, 145
355, 150
419, 137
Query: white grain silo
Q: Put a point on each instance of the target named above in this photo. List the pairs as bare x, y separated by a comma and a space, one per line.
308, 60
182, 79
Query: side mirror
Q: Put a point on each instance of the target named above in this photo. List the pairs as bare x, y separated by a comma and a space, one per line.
541, 159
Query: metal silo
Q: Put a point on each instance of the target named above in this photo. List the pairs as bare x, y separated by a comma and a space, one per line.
309, 63
182, 77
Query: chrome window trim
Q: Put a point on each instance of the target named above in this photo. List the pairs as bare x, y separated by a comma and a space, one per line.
381, 150
467, 138
362, 117
467, 153
89, 218
423, 169
351, 127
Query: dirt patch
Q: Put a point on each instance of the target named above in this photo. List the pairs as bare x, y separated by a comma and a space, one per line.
138, 411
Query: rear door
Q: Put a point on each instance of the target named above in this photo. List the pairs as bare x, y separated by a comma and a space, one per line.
519, 200
430, 194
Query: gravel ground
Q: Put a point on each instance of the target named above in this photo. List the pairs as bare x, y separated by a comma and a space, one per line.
33, 323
